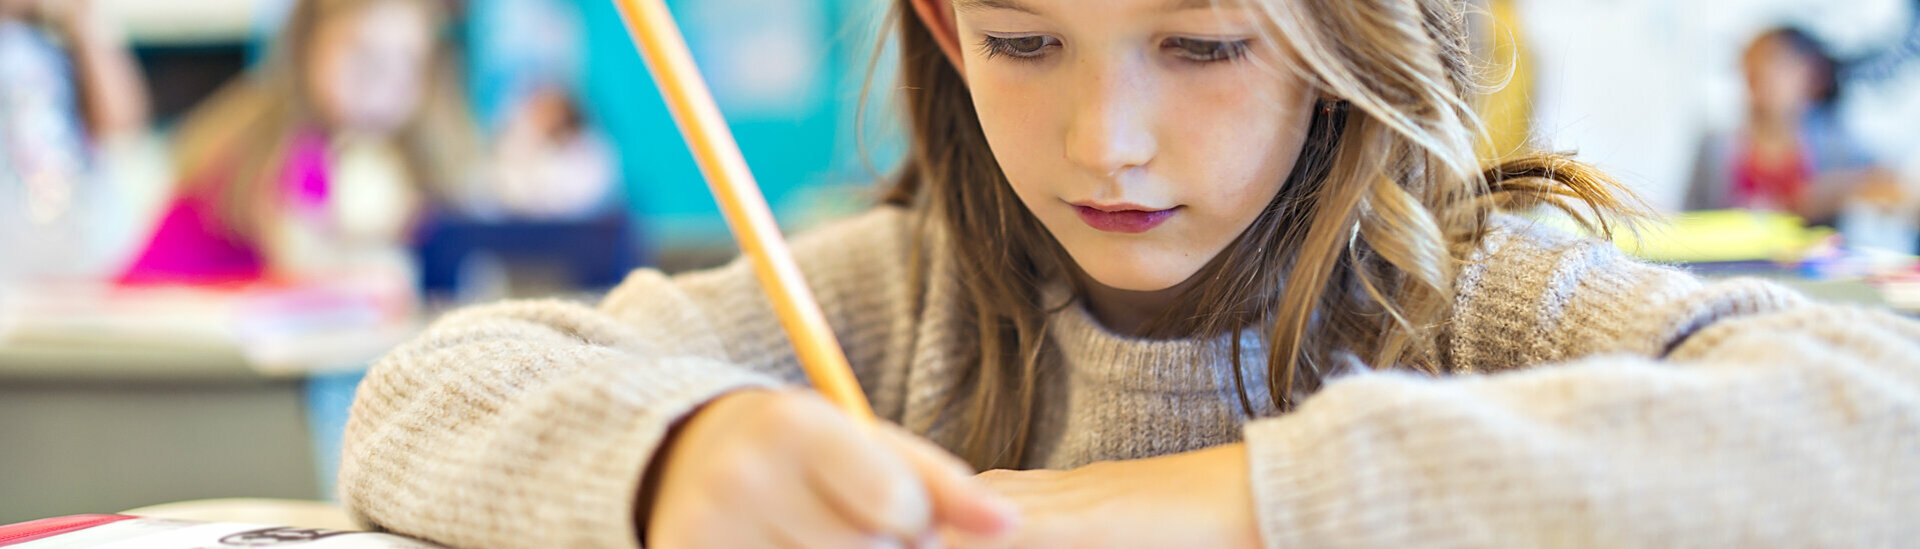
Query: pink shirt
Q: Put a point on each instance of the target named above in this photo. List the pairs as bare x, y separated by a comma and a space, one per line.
193, 245
1771, 185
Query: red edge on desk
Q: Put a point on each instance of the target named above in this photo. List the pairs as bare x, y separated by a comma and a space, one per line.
14, 534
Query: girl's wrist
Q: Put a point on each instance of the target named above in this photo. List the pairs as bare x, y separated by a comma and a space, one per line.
1231, 466
79, 21
655, 473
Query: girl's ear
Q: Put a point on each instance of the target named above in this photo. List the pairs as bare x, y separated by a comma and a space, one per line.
937, 15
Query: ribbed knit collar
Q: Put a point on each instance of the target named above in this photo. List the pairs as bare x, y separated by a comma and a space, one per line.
1097, 355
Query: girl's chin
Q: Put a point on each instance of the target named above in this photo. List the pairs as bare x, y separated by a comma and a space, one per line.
1137, 282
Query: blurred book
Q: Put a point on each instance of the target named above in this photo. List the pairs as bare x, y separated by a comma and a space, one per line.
1901, 291
1720, 236
1817, 261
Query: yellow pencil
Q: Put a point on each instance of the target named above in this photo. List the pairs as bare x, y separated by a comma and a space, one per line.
714, 149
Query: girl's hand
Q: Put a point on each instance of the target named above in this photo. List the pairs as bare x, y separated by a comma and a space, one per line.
73, 17
1195, 499
1882, 188
786, 469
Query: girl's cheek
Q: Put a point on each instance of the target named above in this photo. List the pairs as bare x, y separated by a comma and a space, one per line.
1016, 115
327, 85
334, 73
1248, 139
400, 86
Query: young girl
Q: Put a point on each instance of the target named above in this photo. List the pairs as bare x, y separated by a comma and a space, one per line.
1132, 238
1792, 153
262, 190
71, 95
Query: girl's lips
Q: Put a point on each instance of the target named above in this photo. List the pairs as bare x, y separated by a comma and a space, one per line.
1123, 221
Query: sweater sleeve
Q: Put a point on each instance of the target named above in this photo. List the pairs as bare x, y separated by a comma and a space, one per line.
1672, 412
530, 424
1541, 296
1790, 429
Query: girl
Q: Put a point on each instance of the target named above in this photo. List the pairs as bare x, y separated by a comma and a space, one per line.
1131, 239
262, 188
1792, 154
72, 97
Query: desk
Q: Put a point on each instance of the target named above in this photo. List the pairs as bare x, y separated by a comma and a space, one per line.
83, 445
136, 416
1777, 247
1899, 293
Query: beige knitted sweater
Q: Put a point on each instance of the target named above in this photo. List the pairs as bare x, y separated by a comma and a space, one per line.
1661, 410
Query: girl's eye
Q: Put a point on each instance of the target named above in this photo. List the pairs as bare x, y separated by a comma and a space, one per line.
1206, 50
1021, 47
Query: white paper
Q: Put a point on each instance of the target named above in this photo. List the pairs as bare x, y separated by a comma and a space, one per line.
173, 534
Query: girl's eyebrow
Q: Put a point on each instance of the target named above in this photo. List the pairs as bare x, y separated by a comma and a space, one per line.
1016, 5
983, 5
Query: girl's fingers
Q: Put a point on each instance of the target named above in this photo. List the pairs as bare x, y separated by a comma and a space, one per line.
818, 479
810, 524
712, 524
960, 502
867, 482
932, 540
951, 538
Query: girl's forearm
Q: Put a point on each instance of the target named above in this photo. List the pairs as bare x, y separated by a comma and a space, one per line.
113, 93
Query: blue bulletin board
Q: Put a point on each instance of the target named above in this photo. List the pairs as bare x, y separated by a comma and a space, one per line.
786, 75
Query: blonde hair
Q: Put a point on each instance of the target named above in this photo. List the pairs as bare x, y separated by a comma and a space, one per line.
1355, 258
235, 143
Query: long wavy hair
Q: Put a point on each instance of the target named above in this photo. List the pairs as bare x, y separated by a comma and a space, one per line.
234, 145
1354, 259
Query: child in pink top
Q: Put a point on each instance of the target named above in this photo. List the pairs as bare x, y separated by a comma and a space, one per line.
260, 160
191, 245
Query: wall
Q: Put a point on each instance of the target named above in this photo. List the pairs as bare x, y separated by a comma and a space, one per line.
787, 75
1634, 84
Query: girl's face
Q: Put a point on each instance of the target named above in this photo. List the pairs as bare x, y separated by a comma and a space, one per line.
1782, 81
1146, 135
10, 9
369, 65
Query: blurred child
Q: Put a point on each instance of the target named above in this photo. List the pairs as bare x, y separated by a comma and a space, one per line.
295, 170
1791, 154
67, 84
549, 162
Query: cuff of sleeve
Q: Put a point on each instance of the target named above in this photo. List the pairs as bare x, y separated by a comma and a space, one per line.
1322, 480
1277, 481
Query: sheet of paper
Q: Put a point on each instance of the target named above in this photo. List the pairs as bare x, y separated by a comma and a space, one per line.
174, 534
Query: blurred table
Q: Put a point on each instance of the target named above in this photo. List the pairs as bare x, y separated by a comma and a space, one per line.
1897, 291
1813, 260
164, 398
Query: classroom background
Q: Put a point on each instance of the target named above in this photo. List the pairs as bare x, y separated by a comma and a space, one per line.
552, 168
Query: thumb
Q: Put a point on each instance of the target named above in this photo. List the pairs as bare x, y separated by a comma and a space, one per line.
960, 501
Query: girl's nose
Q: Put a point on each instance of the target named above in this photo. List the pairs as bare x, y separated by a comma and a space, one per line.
1110, 126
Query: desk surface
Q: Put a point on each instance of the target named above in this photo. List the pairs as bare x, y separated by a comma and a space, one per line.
1898, 295
84, 357
117, 362
93, 332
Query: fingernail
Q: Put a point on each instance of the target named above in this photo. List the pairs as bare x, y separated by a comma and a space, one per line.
1005, 510
929, 540
884, 542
